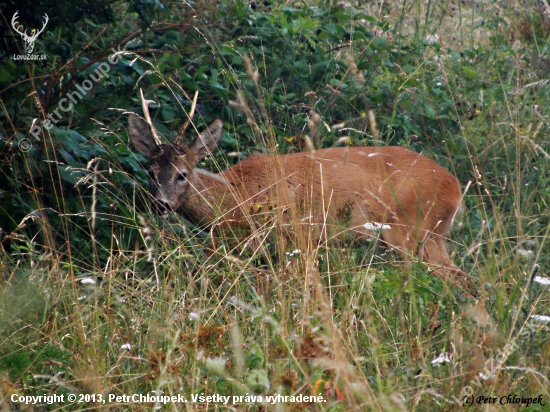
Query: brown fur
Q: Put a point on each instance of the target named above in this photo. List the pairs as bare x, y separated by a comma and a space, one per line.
414, 197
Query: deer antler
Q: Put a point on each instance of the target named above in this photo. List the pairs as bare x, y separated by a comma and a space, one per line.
24, 33
182, 130
14, 20
145, 107
46, 20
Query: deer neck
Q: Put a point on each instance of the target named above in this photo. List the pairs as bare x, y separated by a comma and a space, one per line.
210, 198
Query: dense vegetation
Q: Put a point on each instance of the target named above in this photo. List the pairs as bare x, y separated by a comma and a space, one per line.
101, 295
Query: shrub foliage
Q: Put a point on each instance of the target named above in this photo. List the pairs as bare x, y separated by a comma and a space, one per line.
463, 82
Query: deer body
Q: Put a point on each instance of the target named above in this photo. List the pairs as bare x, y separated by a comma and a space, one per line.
409, 198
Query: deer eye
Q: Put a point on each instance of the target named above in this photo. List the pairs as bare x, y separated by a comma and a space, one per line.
182, 176
151, 174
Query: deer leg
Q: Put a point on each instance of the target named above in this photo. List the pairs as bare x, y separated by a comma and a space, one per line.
435, 255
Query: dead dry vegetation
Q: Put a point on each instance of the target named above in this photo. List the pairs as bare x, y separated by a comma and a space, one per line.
101, 296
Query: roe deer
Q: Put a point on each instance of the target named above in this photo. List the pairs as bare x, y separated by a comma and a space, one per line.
409, 198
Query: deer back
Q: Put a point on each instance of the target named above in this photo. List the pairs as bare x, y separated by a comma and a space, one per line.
364, 184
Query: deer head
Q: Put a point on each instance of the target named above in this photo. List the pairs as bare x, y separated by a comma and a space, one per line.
172, 171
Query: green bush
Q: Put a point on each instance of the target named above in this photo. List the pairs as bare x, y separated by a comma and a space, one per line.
107, 296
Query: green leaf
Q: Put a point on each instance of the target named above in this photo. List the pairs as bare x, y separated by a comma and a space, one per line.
429, 111
70, 139
469, 72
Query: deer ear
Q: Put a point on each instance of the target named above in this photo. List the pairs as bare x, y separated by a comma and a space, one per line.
207, 142
141, 136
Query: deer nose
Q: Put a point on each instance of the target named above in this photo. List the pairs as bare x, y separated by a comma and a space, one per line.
162, 207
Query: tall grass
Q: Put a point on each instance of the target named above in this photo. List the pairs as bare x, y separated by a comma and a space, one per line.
169, 308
